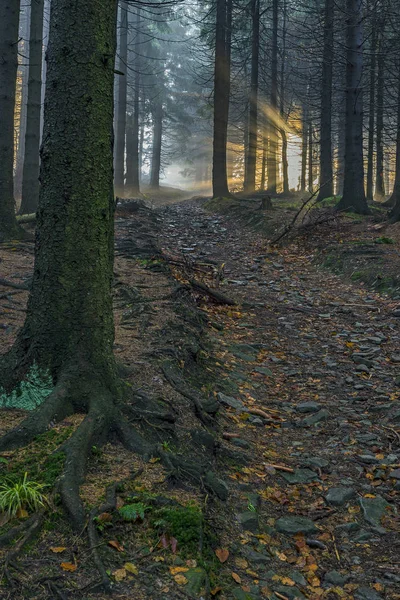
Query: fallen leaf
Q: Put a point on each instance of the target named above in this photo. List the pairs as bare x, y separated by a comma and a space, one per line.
67, 566
180, 579
222, 554
131, 568
175, 570
22, 513
116, 545
241, 563
216, 590
191, 563
174, 544
57, 549
119, 574
378, 587
236, 577
104, 517
287, 581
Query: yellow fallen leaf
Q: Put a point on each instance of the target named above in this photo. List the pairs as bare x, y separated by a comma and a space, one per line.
180, 579
119, 574
57, 549
241, 563
131, 568
369, 496
287, 581
22, 513
222, 554
236, 577
378, 587
175, 570
67, 566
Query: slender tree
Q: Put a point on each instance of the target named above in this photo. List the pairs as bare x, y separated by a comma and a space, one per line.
250, 181
157, 142
379, 179
132, 131
121, 102
285, 162
325, 165
353, 187
9, 20
273, 131
30, 178
221, 100
371, 118
394, 200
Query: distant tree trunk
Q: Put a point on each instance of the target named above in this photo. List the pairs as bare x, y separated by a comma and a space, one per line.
273, 140
30, 178
394, 200
132, 132
250, 182
325, 165
23, 49
285, 163
304, 144
310, 158
371, 118
264, 155
157, 140
9, 20
121, 102
379, 179
353, 188
341, 149
222, 79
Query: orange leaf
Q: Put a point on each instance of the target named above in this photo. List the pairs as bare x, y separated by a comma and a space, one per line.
222, 554
116, 545
104, 517
180, 579
57, 549
215, 591
236, 577
67, 566
175, 570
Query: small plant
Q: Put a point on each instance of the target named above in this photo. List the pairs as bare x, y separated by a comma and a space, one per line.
166, 447
251, 507
384, 240
24, 495
133, 512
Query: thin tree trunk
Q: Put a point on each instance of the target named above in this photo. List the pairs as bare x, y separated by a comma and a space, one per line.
285, 162
132, 132
379, 179
310, 158
273, 139
121, 103
157, 141
304, 145
353, 188
394, 200
325, 166
250, 182
30, 179
341, 149
9, 20
371, 119
221, 101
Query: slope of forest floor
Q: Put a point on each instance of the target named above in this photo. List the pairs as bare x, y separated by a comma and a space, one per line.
300, 365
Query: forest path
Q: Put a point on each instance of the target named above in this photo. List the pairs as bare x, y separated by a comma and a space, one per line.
320, 358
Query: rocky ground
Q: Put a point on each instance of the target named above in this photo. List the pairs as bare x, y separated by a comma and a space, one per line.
302, 369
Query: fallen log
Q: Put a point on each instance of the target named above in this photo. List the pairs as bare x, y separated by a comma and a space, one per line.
214, 294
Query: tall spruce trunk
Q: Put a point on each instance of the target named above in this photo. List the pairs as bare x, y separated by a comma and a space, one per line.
371, 117
222, 79
285, 162
379, 179
325, 165
157, 141
132, 131
30, 177
394, 199
353, 186
310, 158
273, 139
250, 182
304, 147
9, 21
121, 102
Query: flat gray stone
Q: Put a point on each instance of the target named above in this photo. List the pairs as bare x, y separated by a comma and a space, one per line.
338, 496
366, 593
335, 578
321, 415
300, 476
308, 407
249, 521
264, 371
395, 474
292, 525
373, 509
230, 401
197, 582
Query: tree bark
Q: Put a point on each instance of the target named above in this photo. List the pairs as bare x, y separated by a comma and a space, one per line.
285, 162
9, 21
132, 133
304, 143
394, 199
157, 141
371, 118
30, 178
353, 187
310, 158
250, 182
121, 103
273, 139
325, 166
379, 179
222, 81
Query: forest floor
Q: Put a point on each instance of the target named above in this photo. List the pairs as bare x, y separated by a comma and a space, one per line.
304, 368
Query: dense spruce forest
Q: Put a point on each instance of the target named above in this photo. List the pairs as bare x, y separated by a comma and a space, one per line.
199, 299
